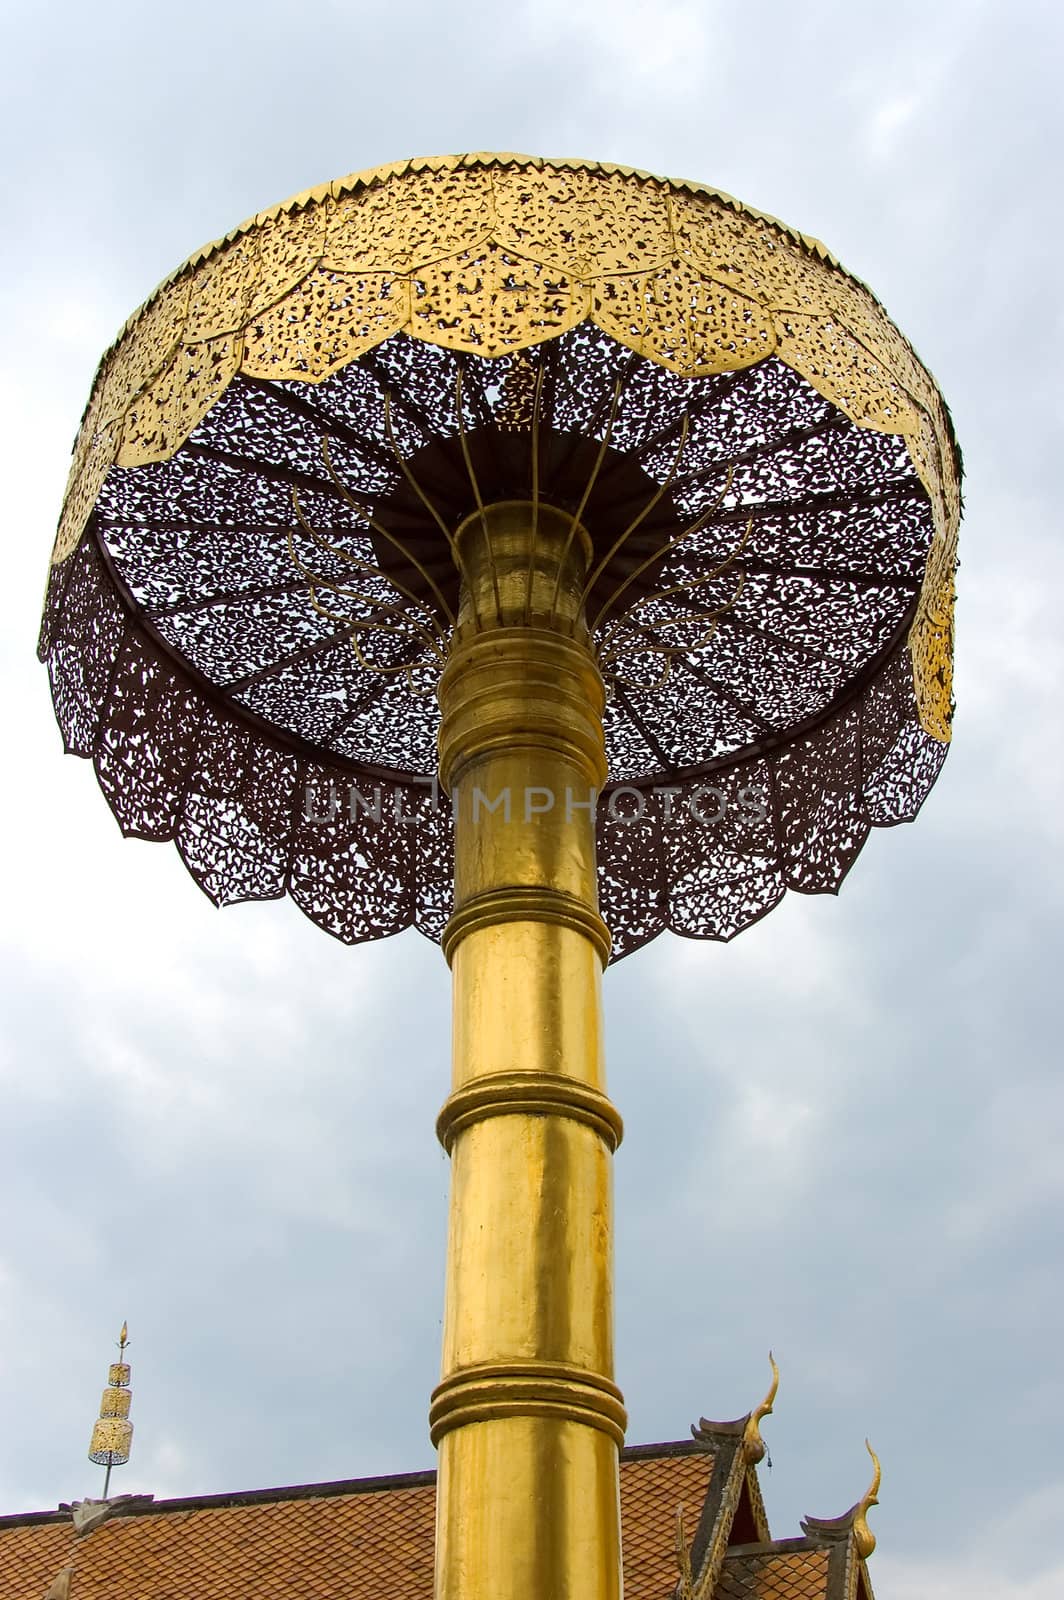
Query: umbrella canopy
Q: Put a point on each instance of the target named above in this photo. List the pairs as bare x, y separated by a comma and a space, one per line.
256, 577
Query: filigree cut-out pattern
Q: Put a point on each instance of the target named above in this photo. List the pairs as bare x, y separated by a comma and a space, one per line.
485, 254
200, 640
365, 854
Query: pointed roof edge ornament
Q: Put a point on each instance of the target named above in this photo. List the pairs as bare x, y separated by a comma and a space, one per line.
685, 1586
864, 1538
855, 1520
753, 1444
749, 1426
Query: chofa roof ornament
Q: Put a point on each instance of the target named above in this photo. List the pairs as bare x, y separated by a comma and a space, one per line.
855, 1520
749, 1426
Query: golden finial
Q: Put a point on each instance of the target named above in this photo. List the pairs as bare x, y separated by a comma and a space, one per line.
753, 1444
112, 1437
863, 1537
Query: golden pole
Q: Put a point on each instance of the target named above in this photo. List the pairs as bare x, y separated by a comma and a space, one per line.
527, 1417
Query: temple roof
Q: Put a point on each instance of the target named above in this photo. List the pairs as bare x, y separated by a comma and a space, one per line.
793, 1569
692, 1518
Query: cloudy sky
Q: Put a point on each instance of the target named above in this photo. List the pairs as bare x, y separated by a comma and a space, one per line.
845, 1129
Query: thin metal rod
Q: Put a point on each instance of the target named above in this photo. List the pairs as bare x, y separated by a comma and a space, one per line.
656, 646
668, 653
427, 503
659, 555
407, 622
647, 688
385, 533
363, 566
468, 459
535, 496
633, 525
406, 667
682, 588
567, 390
592, 480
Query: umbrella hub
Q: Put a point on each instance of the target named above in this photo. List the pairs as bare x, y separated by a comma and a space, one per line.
522, 563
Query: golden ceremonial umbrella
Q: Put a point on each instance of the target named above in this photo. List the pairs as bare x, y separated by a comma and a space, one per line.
543, 554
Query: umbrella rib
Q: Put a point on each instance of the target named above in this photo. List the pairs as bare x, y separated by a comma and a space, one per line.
748, 627
695, 409
715, 395
603, 407
399, 398
319, 647
229, 597
860, 580
727, 695
836, 500
649, 738
476, 393
375, 689
788, 441
173, 525
289, 476
321, 420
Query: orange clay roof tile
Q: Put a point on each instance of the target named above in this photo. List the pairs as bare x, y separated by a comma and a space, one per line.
366, 1544
772, 1575
31, 1556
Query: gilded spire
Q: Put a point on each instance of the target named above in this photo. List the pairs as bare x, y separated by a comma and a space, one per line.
863, 1537
112, 1436
753, 1444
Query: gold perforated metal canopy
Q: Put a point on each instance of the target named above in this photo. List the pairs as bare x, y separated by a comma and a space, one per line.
722, 365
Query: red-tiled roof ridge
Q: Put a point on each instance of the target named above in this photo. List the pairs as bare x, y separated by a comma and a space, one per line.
316, 1491
761, 1547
